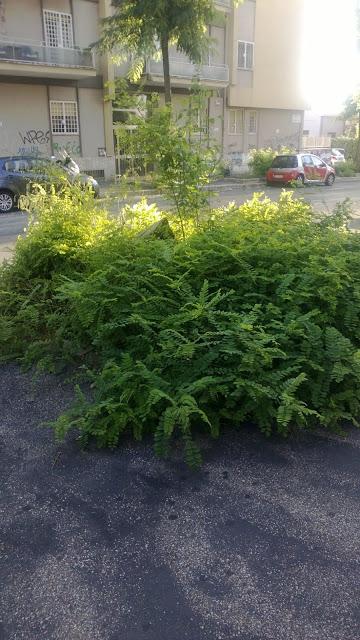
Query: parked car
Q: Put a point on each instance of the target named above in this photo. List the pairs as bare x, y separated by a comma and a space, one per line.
342, 152
18, 172
301, 168
333, 157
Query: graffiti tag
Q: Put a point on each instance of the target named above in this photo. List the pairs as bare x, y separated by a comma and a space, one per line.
29, 151
35, 137
72, 148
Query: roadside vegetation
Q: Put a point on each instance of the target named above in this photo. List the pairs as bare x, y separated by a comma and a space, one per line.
346, 169
243, 314
261, 160
187, 322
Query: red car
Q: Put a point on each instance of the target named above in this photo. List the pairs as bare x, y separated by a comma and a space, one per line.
302, 168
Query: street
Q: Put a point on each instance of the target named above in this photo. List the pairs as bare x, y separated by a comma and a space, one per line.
322, 198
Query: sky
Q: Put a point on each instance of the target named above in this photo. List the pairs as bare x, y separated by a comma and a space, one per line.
330, 62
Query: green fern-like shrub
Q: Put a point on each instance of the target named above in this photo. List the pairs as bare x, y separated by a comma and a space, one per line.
254, 317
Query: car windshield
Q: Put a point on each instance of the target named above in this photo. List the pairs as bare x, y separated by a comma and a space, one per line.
285, 162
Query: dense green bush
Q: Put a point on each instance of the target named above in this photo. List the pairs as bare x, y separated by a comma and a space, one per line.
345, 169
261, 160
253, 317
350, 145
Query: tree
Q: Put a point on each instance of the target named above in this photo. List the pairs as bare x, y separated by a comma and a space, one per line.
351, 113
351, 110
139, 27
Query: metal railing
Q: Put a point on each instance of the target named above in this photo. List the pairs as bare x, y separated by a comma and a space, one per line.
187, 70
39, 54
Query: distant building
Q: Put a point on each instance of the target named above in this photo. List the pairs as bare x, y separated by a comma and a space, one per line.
319, 130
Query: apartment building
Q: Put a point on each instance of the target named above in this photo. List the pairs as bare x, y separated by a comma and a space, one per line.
253, 71
52, 85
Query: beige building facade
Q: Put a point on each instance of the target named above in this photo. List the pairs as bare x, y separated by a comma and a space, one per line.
52, 85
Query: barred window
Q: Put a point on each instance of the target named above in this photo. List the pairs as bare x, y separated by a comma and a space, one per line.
236, 121
252, 122
64, 117
245, 55
58, 29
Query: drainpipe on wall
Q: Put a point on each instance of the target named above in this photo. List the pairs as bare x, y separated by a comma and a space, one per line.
108, 75
79, 117
50, 123
42, 20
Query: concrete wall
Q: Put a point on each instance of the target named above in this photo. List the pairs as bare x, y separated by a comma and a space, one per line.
276, 29
275, 128
25, 125
24, 120
58, 5
23, 19
279, 128
91, 108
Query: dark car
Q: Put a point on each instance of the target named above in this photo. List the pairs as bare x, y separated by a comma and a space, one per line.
18, 172
301, 168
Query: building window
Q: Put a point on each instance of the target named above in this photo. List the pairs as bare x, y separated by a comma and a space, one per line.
201, 120
236, 121
64, 117
58, 29
306, 132
245, 55
252, 122
331, 134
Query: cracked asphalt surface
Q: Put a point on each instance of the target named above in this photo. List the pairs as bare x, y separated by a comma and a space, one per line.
261, 544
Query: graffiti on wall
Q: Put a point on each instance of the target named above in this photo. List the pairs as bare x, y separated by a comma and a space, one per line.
35, 137
33, 142
72, 148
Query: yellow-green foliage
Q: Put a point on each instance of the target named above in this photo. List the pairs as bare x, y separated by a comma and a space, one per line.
254, 317
346, 169
261, 160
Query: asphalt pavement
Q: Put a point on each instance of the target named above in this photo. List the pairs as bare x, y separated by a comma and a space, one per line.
261, 544
323, 198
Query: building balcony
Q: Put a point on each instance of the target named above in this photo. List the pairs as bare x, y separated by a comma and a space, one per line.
182, 71
39, 61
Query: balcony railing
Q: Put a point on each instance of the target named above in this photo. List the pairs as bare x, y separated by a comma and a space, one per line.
187, 70
39, 54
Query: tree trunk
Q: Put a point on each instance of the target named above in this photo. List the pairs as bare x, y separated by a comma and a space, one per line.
166, 66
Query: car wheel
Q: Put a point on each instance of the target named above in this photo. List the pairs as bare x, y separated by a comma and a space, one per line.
330, 180
7, 201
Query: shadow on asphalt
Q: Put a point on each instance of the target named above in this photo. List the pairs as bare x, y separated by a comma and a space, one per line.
261, 544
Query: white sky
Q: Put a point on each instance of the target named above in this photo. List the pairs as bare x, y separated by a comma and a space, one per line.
330, 62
